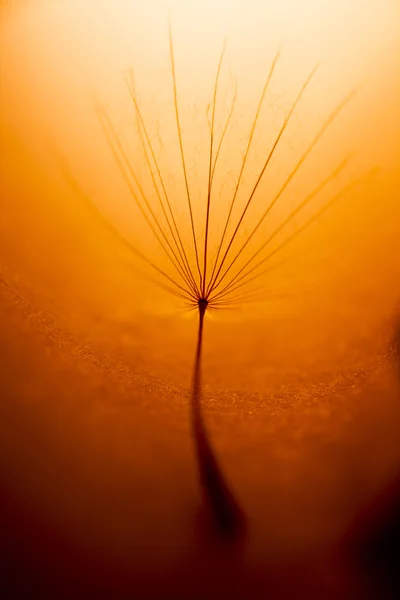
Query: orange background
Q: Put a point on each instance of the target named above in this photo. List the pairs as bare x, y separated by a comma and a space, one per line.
97, 368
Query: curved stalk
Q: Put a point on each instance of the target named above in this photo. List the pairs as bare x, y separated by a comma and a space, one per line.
219, 500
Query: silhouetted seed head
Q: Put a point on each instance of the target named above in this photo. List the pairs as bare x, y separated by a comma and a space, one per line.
225, 280
198, 278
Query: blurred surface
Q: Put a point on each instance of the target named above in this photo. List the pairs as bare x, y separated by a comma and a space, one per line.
301, 391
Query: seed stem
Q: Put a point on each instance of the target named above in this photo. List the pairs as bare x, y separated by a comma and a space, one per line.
226, 514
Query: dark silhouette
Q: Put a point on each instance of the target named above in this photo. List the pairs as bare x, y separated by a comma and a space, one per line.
202, 281
228, 518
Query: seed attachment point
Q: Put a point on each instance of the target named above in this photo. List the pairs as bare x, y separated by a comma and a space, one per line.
203, 303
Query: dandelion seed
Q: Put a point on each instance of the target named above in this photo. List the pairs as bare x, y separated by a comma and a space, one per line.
213, 284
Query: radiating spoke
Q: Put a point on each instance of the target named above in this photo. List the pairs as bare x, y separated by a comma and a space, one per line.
125, 168
175, 232
178, 125
210, 170
267, 162
299, 163
246, 155
307, 200
285, 243
78, 191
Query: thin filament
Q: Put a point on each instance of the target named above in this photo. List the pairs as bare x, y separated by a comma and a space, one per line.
178, 124
270, 155
302, 159
180, 248
246, 154
210, 168
116, 147
76, 188
286, 221
316, 216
